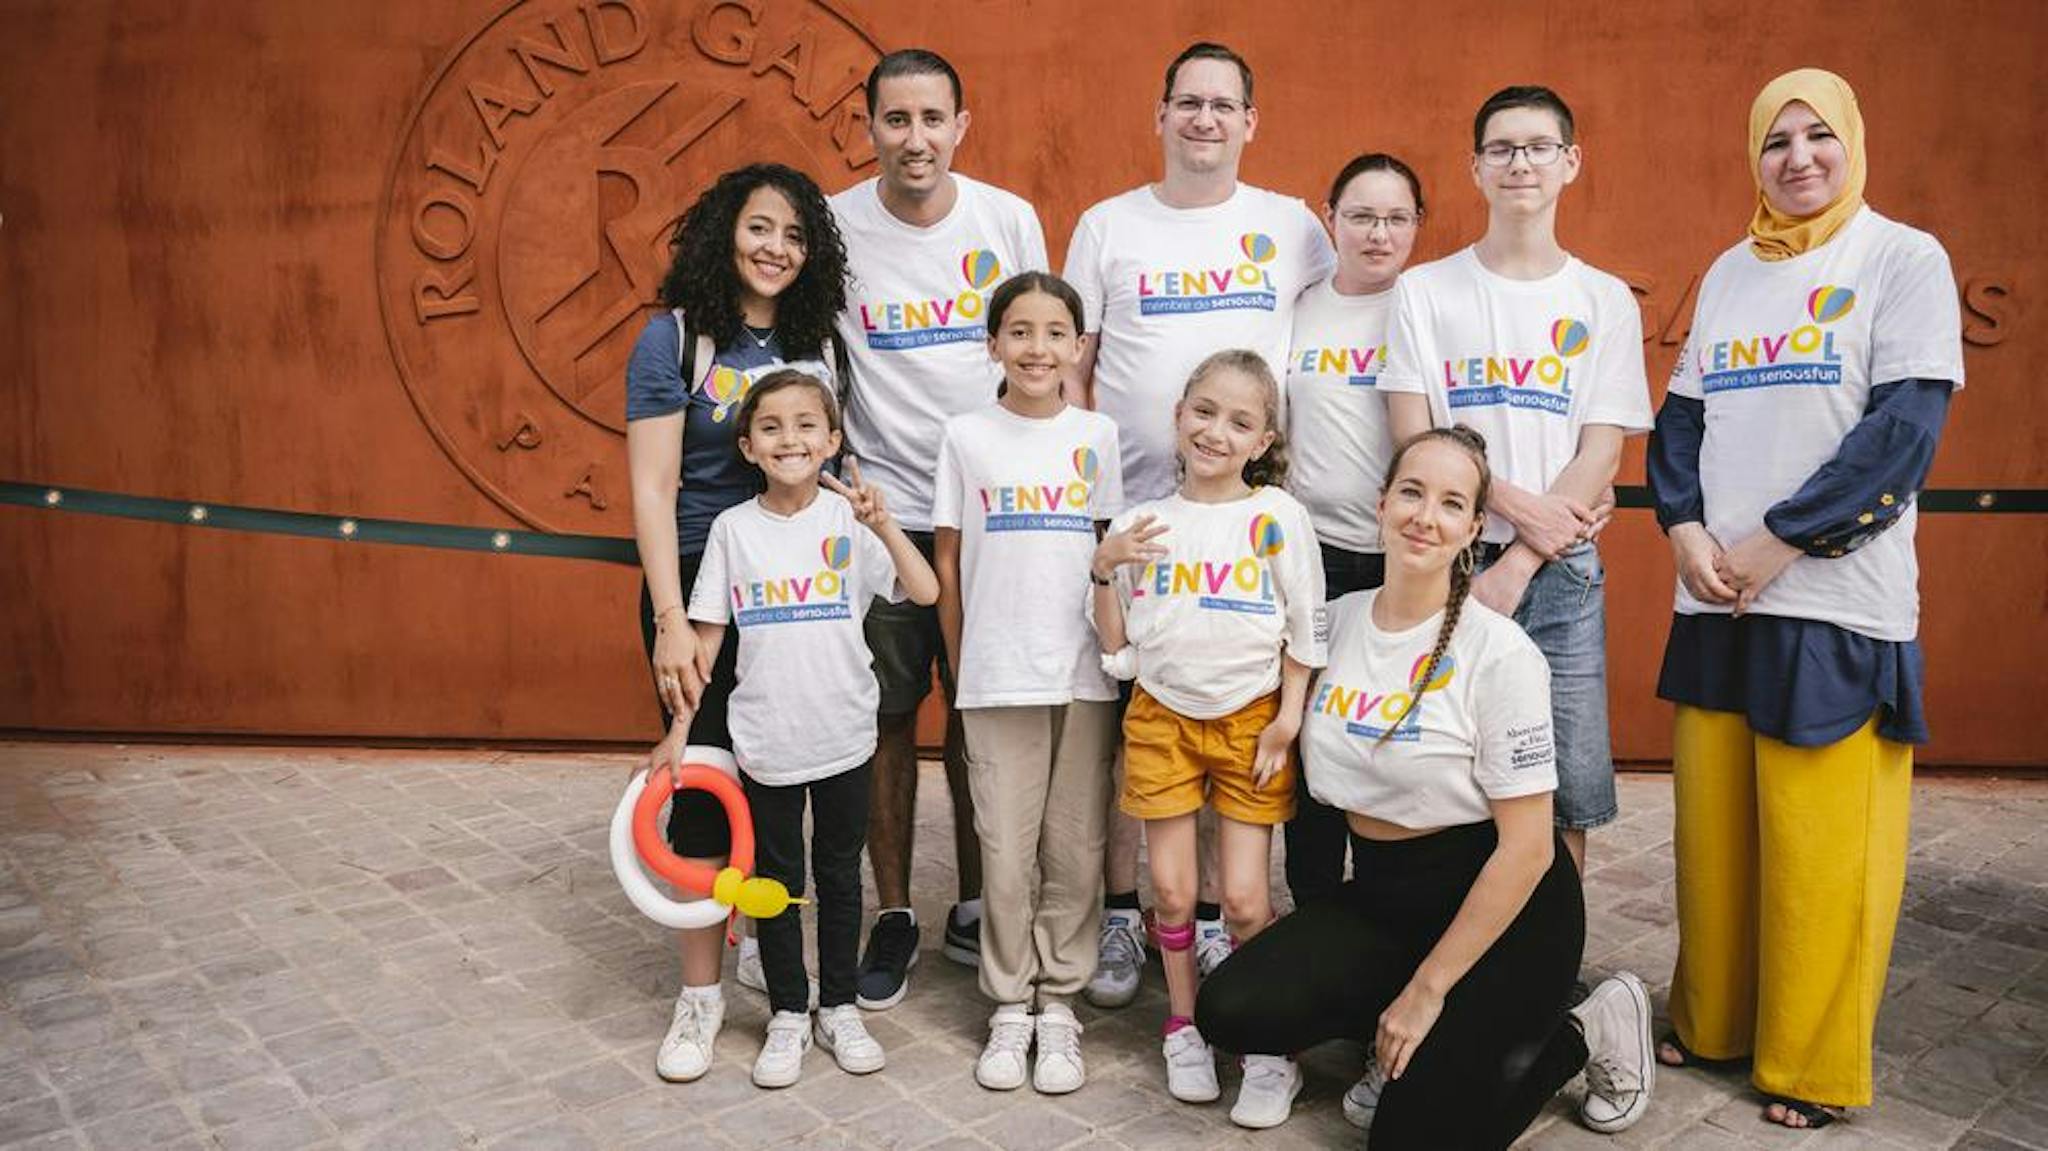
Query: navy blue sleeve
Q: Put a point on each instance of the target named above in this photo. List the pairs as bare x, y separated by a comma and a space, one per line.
654, 379
1673, 462
1873, 476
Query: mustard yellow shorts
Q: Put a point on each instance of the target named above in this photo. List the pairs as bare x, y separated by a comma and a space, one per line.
1172, 764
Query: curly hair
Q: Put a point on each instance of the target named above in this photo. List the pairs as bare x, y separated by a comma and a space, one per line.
1270, 468
702, 280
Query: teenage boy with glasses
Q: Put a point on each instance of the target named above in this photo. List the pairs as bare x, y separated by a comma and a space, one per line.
1542, 354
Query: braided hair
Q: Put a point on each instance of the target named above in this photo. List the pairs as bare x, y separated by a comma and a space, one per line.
1462, 566
1270, 468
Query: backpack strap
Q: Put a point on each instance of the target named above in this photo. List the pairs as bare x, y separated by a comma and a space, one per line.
692, 349
842, 371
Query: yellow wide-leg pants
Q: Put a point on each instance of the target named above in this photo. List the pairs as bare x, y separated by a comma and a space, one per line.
1791, 866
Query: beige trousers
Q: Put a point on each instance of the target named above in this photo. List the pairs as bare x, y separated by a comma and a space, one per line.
1040, 778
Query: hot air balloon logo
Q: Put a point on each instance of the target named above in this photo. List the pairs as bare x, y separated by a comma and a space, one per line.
980, 267
726, 387
1437, 682
1086, 465
838, 552
1828, 303
1569, 337
1257, 247
1267, 538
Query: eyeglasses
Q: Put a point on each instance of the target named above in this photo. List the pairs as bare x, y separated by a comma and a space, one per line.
1396, 222
1191, 106
1541, 153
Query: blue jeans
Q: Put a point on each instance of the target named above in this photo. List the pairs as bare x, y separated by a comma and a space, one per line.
1564, 610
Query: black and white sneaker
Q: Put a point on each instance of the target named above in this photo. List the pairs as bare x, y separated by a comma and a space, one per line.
963, 938
885, 965
1621, 1066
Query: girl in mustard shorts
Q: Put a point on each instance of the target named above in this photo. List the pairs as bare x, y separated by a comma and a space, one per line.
1212, 599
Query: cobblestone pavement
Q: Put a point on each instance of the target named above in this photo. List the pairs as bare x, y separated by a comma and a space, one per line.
255, 948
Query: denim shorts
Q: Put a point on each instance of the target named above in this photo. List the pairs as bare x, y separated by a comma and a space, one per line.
1564, 610
905, 640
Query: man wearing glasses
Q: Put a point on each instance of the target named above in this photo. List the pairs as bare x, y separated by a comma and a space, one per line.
1171, 272
1542, 354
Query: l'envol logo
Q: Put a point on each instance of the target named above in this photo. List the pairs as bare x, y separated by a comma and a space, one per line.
524, 227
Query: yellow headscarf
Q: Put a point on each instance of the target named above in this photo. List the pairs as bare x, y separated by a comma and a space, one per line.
1773, 235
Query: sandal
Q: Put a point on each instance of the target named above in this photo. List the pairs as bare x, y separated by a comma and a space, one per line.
1815, 1115
1686, 1057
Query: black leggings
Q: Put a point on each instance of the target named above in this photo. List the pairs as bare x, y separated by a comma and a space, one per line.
1317, 835
839, 831
1503, 1045
696, 821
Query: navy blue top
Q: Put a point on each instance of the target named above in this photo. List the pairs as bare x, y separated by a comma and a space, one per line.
714, 476
1800, 681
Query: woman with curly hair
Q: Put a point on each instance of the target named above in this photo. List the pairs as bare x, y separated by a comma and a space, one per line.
758, 274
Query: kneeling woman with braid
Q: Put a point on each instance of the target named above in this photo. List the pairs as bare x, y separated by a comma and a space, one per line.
1453, 949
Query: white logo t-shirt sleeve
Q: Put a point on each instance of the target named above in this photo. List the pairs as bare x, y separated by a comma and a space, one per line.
1083, 267
708, 596
1511, 693
1918, 333
1620, 394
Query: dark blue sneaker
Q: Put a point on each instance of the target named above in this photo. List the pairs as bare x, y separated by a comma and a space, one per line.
963, 938
885, 965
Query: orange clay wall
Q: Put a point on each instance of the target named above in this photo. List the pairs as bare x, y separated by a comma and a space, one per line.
380, 259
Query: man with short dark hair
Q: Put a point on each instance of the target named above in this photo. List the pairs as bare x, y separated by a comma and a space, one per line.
925, 246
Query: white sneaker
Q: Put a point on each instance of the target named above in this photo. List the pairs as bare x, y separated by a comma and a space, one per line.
1190, 1068
685, 1052
1362, 1100
1212, 945
840, 1031
1001, 1066
747, 971
1620, 1065
1266, 1097
781, 1061
1059, 1068
1120, 963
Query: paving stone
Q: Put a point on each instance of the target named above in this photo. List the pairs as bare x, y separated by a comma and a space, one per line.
557, 1134
251, 1099
29, 1118
149, 1127
591, 1085
375, 1105
340, 1074
429, 1131
2020, 1122
285, 1132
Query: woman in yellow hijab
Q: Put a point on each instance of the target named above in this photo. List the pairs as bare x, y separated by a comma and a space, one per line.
1800, 423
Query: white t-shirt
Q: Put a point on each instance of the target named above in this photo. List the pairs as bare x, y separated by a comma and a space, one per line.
1240, 581
916, 326
1784, 354
1025, 495
1480, 732
797, 587
1165, 287
1525, 363
1337, 428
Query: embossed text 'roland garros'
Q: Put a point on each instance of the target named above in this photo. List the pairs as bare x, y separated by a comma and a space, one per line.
599, 33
